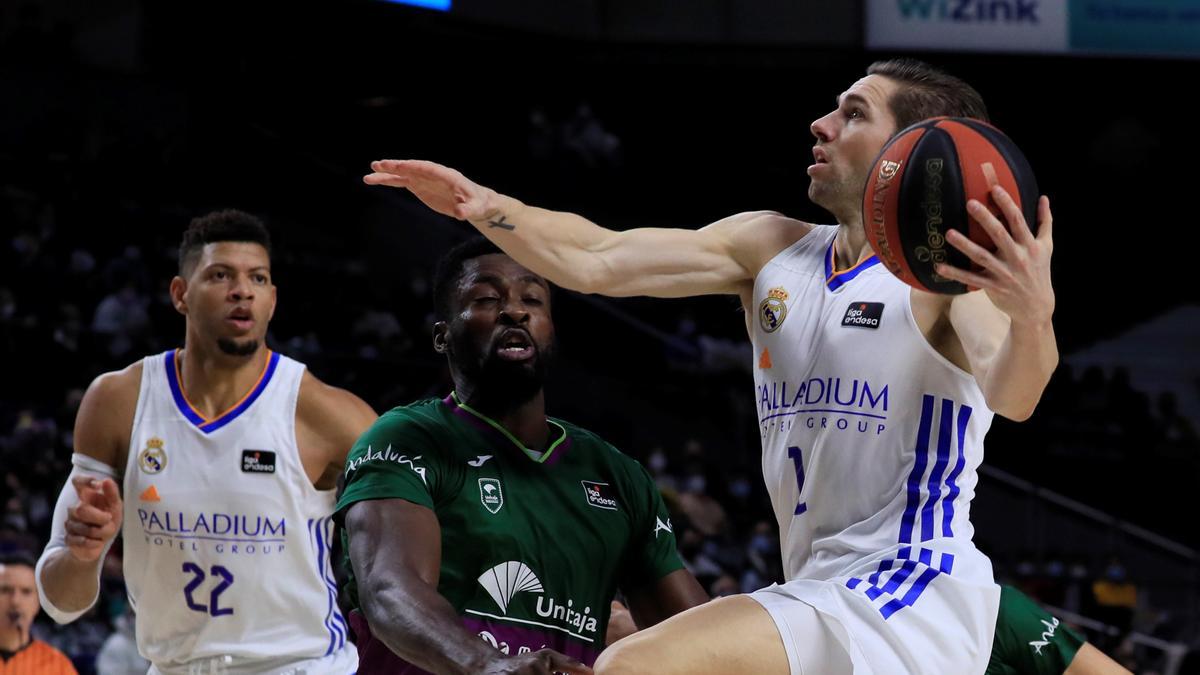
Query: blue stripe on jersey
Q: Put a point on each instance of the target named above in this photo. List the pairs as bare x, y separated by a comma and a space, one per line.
331, 584
925, 505
177, 391
900, 576
314, 533
891, 607
926, 557
964, 416
836, 279
918, 470
209, 426
945, 436
883, 567
919, 587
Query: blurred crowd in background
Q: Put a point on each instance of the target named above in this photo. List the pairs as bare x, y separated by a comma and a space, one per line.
100, 173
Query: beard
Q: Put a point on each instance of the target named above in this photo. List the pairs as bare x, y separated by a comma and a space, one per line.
500, 383
237, 348
841, 197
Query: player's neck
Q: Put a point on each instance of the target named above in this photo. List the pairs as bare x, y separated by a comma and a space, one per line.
525, 421
213, 381
850, 247
12, 639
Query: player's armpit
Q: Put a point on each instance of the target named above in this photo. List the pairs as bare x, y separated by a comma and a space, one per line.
662, 599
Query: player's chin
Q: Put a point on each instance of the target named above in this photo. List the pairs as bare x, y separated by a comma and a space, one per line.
245, 346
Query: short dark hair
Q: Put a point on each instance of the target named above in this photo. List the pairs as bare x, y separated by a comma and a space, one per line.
17, 558
449, 272
928, 92
223, 225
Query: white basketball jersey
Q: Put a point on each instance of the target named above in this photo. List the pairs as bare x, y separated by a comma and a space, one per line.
871, 439
227, 542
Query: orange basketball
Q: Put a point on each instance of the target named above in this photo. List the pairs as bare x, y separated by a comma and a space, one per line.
918, 191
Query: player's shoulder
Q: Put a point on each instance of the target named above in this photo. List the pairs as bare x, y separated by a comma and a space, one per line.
111, 398
123, 383
580, 435
758, 236
421, 419
323, 403
765, 223
597, 448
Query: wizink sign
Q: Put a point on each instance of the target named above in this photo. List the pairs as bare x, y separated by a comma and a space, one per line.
971, 11
973, 25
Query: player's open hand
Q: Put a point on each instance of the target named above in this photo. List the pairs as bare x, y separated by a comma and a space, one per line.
541, 662
95, 519
1016, 276
440, 188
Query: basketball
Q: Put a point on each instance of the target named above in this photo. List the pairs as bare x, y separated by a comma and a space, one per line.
918, 190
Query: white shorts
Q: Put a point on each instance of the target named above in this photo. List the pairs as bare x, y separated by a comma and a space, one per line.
342, 662
827, 627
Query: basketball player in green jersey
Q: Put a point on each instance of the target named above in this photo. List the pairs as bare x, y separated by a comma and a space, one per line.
483, 536
1031, 641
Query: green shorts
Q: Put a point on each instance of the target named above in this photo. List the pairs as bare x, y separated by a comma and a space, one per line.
1029, 640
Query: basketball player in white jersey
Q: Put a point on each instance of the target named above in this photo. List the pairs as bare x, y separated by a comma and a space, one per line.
873, 397
217, 462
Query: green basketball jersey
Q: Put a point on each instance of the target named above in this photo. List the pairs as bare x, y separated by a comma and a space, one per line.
534, 545
1029, 640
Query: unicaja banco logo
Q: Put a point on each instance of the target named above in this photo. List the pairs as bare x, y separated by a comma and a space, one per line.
505, 580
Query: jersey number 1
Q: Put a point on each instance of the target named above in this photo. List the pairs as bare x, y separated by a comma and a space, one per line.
198, 577
798, 460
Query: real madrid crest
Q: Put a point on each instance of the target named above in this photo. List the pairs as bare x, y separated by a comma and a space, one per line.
153, 459
773, 309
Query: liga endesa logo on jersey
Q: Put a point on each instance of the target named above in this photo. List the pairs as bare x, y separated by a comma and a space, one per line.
599, 495
258, 461
863, 314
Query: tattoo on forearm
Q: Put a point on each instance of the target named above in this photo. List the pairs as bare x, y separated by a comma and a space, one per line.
501, 224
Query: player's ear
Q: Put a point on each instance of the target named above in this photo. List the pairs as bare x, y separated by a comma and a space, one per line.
178, 288
441, 337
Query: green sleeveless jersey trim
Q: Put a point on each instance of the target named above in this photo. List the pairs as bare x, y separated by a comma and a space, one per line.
533, 454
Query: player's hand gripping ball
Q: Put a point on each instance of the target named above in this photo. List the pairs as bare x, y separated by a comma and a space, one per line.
918, 191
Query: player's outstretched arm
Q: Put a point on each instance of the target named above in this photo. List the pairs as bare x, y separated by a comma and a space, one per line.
88, 514
1006, 329
395, 550
674, 593
575, 253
